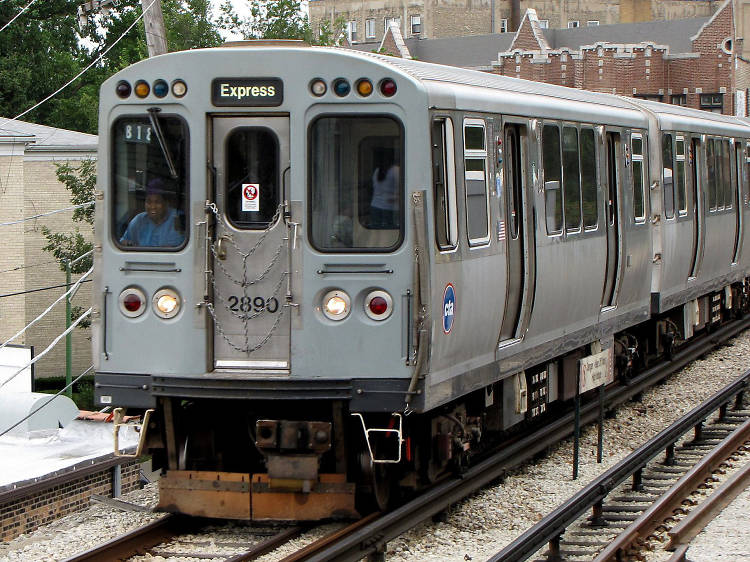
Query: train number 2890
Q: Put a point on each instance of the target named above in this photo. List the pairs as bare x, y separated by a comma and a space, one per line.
250, 304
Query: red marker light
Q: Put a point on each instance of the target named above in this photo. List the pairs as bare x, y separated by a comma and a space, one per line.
388, 87
378, 306
132, 302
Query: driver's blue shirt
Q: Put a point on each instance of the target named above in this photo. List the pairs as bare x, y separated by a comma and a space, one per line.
142, 231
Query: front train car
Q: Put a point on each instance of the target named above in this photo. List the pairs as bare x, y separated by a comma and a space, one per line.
255, 273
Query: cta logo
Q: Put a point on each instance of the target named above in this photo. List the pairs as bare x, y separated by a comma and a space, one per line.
449, 308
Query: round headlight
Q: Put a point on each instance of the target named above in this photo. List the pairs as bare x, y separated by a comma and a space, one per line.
132, 302
123, 89
364, 87
161, 88
336, 305
318, 87
378, 305
341, 87
388, 87
166, 303
179, 88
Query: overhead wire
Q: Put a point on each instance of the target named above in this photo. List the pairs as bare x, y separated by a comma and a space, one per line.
39, 290
86, 204
70, 291
48, 348
23, 419
14, 18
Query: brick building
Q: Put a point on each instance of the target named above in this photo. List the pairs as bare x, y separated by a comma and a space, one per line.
691, 62
28, 187
367, 21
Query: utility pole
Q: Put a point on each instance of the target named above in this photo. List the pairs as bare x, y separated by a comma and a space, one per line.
153, 20
156, 35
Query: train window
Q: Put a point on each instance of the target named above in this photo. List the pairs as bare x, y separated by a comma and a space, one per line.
639, 209
712, 172
475, 175
588, 179
356, 183
552, 178
571, 179
444, 184
514, 143
252, 159
679, 177
149, 182
726, 174
667, 156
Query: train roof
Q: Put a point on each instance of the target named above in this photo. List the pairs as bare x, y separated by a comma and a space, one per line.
679, 118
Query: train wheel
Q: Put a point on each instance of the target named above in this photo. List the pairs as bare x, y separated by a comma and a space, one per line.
374, 485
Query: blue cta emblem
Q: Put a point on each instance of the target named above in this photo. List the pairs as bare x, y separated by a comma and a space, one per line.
449, 308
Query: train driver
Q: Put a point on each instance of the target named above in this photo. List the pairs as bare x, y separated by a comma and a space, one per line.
385, 182
157, 225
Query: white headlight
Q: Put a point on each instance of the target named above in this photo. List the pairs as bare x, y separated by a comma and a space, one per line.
336, 305
166, 303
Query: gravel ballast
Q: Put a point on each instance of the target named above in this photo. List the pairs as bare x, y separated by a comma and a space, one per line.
480, 526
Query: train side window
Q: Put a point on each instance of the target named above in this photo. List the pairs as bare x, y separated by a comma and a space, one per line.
712, 172
552, 178
726, 165
571, 180
667, 153
588, 179
679, 169
514, 158
639, 208
444, 184
475, 176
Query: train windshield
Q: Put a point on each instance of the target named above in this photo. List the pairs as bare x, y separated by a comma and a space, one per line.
149, 182
356, 183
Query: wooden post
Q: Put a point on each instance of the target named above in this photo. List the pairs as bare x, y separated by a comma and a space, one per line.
156, 36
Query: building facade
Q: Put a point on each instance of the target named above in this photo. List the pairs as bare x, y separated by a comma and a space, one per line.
367, 20
30, 278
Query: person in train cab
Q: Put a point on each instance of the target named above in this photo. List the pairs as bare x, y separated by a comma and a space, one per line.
384, 203
157, 225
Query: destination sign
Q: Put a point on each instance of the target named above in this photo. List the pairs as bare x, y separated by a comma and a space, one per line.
247, 92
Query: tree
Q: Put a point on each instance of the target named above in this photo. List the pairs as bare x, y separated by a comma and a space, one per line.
278, 19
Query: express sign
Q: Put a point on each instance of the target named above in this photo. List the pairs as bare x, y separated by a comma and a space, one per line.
247, 92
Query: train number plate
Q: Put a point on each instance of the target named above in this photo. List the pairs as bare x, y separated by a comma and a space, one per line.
255, 305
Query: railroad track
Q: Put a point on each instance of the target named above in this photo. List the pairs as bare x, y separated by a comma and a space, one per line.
625, 516
369, 537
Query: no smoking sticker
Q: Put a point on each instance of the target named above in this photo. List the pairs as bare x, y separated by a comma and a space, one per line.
251, 197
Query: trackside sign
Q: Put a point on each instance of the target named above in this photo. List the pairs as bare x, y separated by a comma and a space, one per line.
247, 92
596, 370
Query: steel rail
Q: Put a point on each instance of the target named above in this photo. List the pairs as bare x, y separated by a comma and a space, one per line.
698, 518
135, 542
554, 524
663, 506
373, 537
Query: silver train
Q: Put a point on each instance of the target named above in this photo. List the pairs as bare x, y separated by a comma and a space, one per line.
335, 276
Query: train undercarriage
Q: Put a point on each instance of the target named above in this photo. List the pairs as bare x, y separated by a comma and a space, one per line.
240, 459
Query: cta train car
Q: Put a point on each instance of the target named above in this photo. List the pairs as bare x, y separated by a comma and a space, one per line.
335, 277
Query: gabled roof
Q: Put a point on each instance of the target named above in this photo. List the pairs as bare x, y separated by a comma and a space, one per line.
42, 137
676, 34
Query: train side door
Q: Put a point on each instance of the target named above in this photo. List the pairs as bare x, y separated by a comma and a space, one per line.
515, 154
697, 212
739, 159
249, 252
614, 173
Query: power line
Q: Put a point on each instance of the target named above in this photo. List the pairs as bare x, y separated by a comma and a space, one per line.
17, 15
19, 422
70, 292
38, 264
38, 290
86, 204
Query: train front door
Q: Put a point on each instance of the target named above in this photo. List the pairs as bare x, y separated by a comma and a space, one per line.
249, 244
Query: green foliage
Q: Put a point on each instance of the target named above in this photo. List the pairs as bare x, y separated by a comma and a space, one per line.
47, 46
278, 19
67, 246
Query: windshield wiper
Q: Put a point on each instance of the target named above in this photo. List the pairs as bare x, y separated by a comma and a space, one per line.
153, 115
